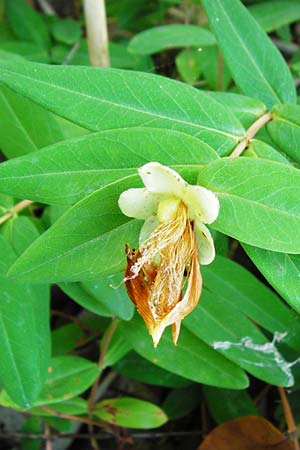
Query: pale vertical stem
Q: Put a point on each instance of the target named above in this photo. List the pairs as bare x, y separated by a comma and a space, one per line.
96, 26
46, 7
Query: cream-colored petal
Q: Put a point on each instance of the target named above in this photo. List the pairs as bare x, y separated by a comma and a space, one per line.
162, 180
138, 203
150, 224
202, 203
205, 243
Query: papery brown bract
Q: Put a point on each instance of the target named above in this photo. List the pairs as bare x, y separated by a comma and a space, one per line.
155, 275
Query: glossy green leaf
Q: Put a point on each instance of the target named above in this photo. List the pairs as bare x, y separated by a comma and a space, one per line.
259, 201
259, 149
275, 14
24, 334
181, 402
26, 23
138, 368
68, 376
191, 358
240, 342
246, 109
255, 63
140, 99
87, 242
130, 412
240, 288
156, 39
67, 171
25, 126
67, 31
188, 65
285, 129
282, 271
227, 404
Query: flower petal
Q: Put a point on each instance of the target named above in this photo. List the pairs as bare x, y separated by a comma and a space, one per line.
138, 203
206, 248
150, 224
162, 180
203, 204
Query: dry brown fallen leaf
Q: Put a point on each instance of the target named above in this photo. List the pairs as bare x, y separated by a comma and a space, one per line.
246, 433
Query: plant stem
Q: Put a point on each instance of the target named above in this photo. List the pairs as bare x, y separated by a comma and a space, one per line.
250, 133
46, 7
93, 393
96, 25
15, 210
220, 71
74, 418
289, 419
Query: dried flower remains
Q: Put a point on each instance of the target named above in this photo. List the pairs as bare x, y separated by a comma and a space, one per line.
163, 277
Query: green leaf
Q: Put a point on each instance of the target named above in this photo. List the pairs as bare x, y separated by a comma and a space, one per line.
117, 349
255, 63
226, 404
20, 232
68, 376
259, 149
246, 109
31, 426
188, 65
281, 270
215, 69
67, 31
240, 288
130, 412
66, 338
26, 23
181, 402
285, 129
24, 334
28, 50
88, 241
67, 171
111, 294
191, 358
118, 53
139, 99
79, 294
156, 39
240, 342
259, 201
26, 126
138, 368
275, 14
74, 406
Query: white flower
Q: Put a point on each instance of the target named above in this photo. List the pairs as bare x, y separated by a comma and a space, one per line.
163, 277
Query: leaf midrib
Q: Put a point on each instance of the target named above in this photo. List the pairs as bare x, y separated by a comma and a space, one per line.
126, 107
